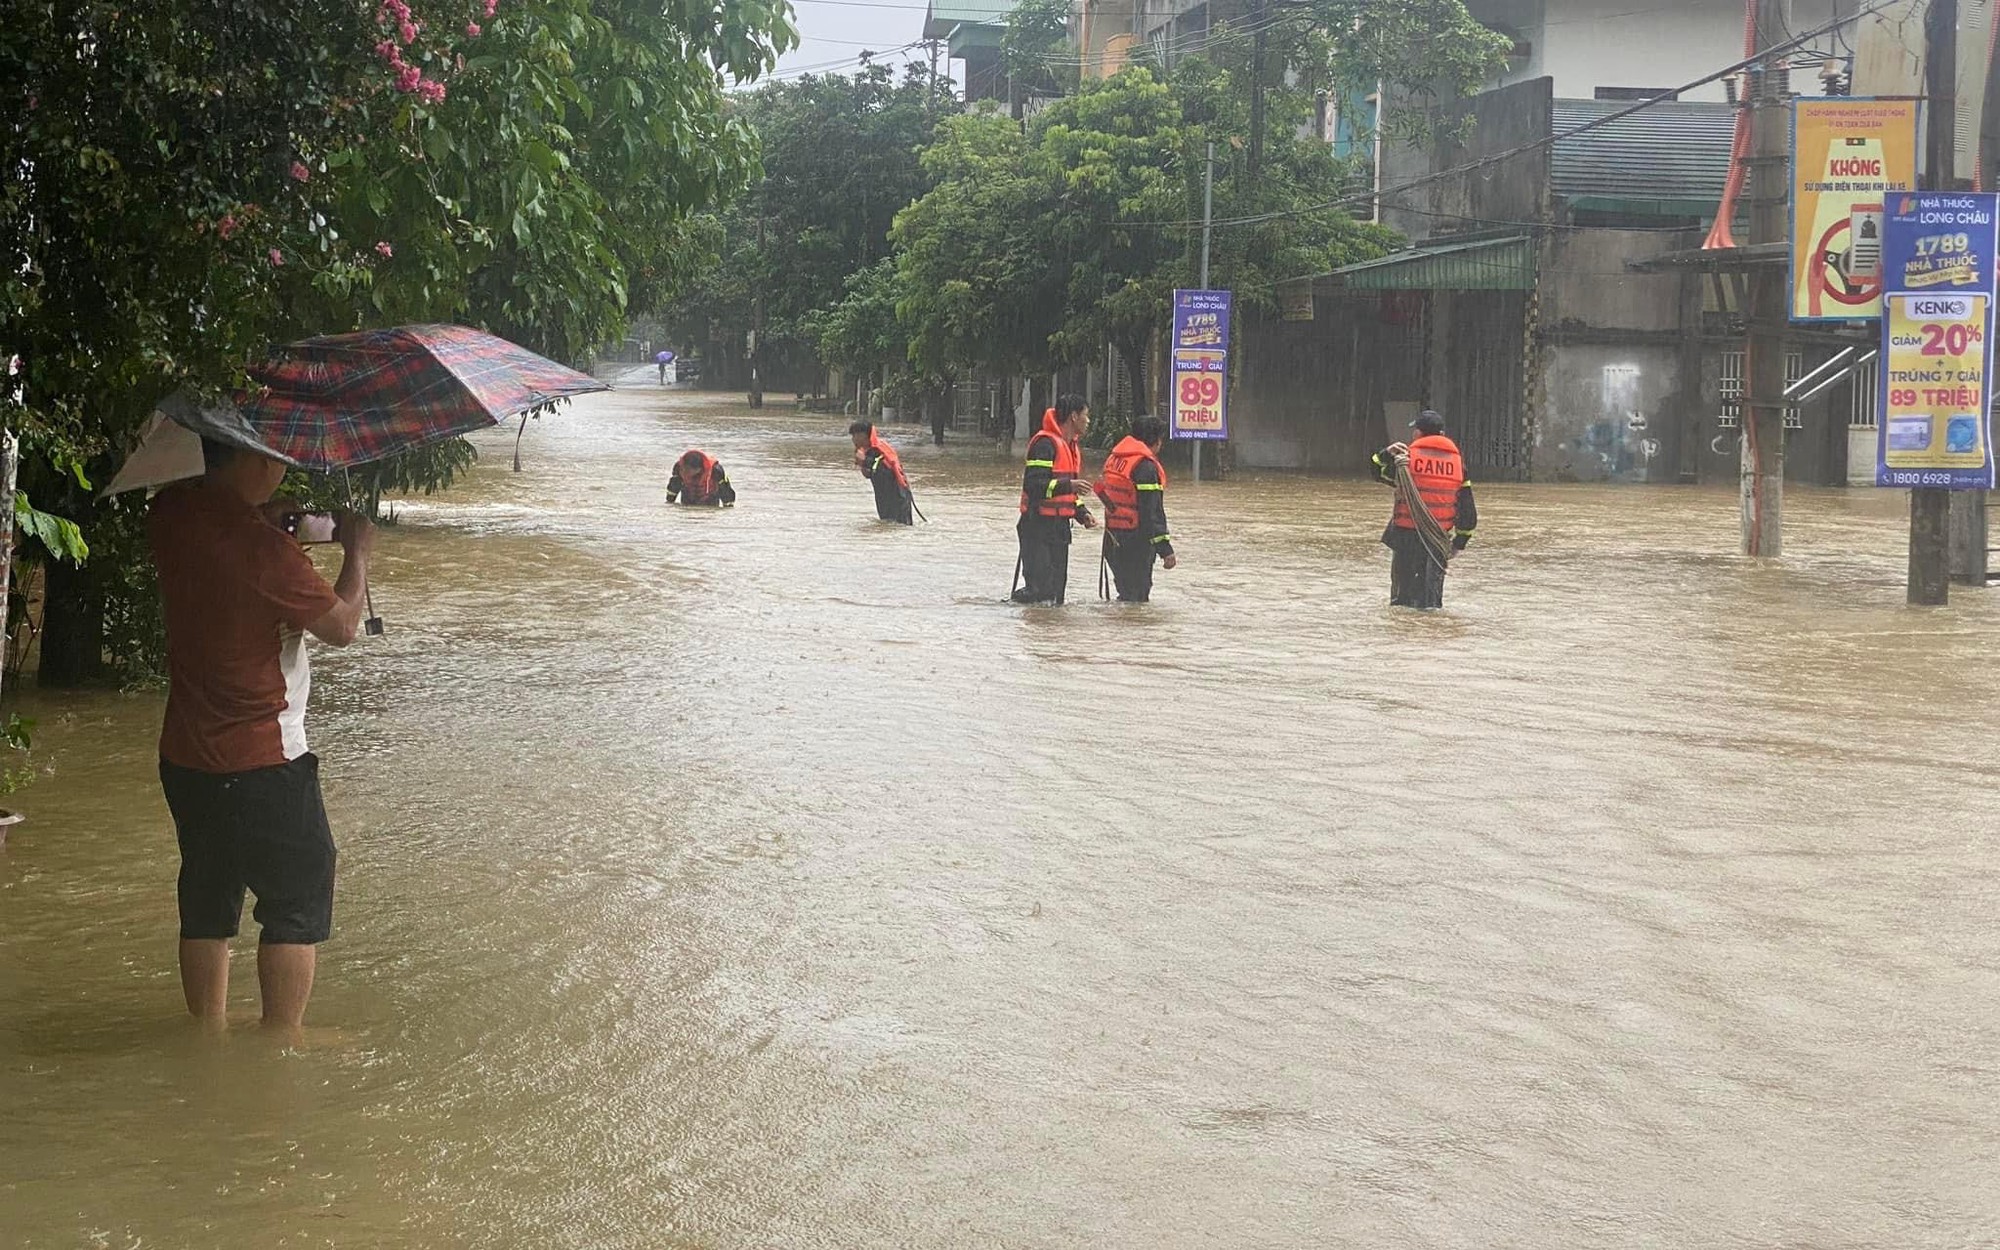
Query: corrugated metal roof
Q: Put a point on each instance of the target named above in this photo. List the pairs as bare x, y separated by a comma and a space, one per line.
1673, 153
941, 17
1485, 265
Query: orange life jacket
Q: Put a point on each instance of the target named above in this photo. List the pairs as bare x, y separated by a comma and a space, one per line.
1067, 464
1119, 492
701, 487
889, 457
1438, 470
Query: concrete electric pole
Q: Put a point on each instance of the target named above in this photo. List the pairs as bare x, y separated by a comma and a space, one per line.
1930, 506
1762, 491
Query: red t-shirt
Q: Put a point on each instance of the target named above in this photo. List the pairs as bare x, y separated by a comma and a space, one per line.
239, 592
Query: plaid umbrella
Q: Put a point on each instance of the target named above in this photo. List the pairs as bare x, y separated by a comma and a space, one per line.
349, 399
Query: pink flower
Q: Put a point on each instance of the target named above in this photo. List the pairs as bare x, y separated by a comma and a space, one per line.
387, 50
491, 5
228, 226
472, 30
384, 250
408, 78
431, 91
277, 258
299, 171
407, 31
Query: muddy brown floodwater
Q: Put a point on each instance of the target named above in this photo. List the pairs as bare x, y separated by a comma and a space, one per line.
759, 879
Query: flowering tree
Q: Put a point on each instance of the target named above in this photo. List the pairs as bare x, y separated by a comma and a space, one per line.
191, 181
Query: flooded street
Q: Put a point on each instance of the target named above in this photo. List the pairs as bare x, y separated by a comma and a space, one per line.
760, 879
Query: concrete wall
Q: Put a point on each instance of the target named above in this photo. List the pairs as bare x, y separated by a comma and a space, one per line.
1614, 396
1604, 408
1587, 44
1512, 190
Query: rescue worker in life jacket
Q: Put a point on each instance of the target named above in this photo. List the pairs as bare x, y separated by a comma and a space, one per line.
1135, 510
1416, 578
879, 463
698, 481
1049, 503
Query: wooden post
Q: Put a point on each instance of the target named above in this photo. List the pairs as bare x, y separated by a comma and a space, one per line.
1762, 489
1930, 506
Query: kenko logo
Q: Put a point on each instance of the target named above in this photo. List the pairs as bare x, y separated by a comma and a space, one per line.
1856, 168
1943, 309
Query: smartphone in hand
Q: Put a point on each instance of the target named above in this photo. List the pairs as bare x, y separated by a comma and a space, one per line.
310, 527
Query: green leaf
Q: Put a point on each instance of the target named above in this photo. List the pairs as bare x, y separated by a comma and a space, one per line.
60, 537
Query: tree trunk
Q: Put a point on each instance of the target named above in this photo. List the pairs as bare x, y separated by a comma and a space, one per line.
72, 628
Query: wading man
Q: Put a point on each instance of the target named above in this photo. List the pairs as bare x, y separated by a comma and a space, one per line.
1435, 513
1134, 491
699, 482
1049, 503
879, 463
239, 596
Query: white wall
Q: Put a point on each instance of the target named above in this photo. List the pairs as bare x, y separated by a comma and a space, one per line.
1587, 44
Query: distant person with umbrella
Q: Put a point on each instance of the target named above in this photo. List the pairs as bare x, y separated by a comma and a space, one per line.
663, 359
240, 594
698, 481
1434, 516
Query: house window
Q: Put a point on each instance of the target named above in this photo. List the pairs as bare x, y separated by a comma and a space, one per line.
1637, 93
1349, 125
1730, 385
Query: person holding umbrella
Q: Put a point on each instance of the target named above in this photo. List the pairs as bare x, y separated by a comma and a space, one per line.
240, 594
663, 359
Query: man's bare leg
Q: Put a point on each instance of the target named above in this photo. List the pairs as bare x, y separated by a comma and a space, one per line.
285, 974
205, 978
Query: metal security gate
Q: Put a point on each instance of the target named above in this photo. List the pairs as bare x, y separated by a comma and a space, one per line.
1479, 367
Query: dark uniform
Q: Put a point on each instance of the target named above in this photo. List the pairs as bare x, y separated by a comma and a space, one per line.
1416, 578
698, 481
884, 470
1048, 506
1135, 518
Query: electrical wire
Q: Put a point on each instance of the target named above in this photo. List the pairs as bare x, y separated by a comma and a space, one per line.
1523, 149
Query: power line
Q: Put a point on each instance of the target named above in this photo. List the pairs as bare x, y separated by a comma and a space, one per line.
1545, 141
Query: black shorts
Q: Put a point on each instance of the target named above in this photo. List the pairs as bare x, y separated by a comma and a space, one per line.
264, 830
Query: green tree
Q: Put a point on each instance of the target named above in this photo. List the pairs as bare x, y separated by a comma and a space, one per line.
191, 183
979, 289
1035, 50
839, 159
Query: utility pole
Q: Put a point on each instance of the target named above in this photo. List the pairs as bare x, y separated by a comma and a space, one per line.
1967, 533
757, 315
1763, 411
1762, 483
1930, 506
1255, 164
1207, 229
930, 100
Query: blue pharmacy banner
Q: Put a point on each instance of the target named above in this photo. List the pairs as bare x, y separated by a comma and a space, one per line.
1201, 365
1934, 425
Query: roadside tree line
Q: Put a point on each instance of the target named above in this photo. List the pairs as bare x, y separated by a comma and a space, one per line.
901, 237
188, 184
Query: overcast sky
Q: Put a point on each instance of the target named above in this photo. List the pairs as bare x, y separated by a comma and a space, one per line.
832, 33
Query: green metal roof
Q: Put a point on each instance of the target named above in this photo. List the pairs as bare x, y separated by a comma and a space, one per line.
1483, 265
944, 16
